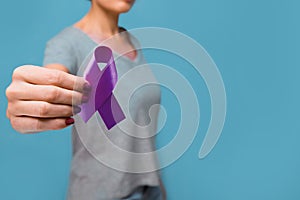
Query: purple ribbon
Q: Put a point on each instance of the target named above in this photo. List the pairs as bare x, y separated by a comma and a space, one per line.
103, 82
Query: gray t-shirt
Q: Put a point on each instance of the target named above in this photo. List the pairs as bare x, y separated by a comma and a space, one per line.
91, 176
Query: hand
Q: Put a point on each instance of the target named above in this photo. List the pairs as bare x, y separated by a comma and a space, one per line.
41, 99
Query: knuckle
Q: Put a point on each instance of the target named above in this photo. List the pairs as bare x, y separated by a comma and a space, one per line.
15, 123
11, 92
54, 77
37, 125
10, 108
43, 109
52, 95
8, 92
18, 72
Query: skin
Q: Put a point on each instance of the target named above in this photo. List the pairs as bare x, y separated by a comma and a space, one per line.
41, 99
44, 98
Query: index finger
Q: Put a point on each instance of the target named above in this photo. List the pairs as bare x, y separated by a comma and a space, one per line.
44, 76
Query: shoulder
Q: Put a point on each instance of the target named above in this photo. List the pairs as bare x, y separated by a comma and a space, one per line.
61, 49
67, 36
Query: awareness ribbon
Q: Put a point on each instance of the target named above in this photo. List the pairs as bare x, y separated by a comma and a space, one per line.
101, 97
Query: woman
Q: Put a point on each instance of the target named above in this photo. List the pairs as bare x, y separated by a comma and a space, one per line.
41, 99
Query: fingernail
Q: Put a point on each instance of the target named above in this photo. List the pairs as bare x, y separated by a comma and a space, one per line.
76, 110
87, 87
85, 98
69, 121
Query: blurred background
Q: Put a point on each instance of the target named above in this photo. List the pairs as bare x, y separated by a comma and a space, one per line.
256, 47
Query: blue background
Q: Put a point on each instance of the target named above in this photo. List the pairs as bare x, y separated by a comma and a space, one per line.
255, 44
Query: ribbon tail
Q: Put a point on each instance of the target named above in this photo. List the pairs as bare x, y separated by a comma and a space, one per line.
111, 112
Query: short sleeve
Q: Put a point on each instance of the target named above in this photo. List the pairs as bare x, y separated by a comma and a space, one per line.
60, 51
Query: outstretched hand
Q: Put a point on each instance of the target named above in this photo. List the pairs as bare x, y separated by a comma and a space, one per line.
41, 99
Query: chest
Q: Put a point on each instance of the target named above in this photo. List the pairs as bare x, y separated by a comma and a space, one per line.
137, 89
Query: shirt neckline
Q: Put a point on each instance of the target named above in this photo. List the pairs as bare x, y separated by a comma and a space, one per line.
117, 55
